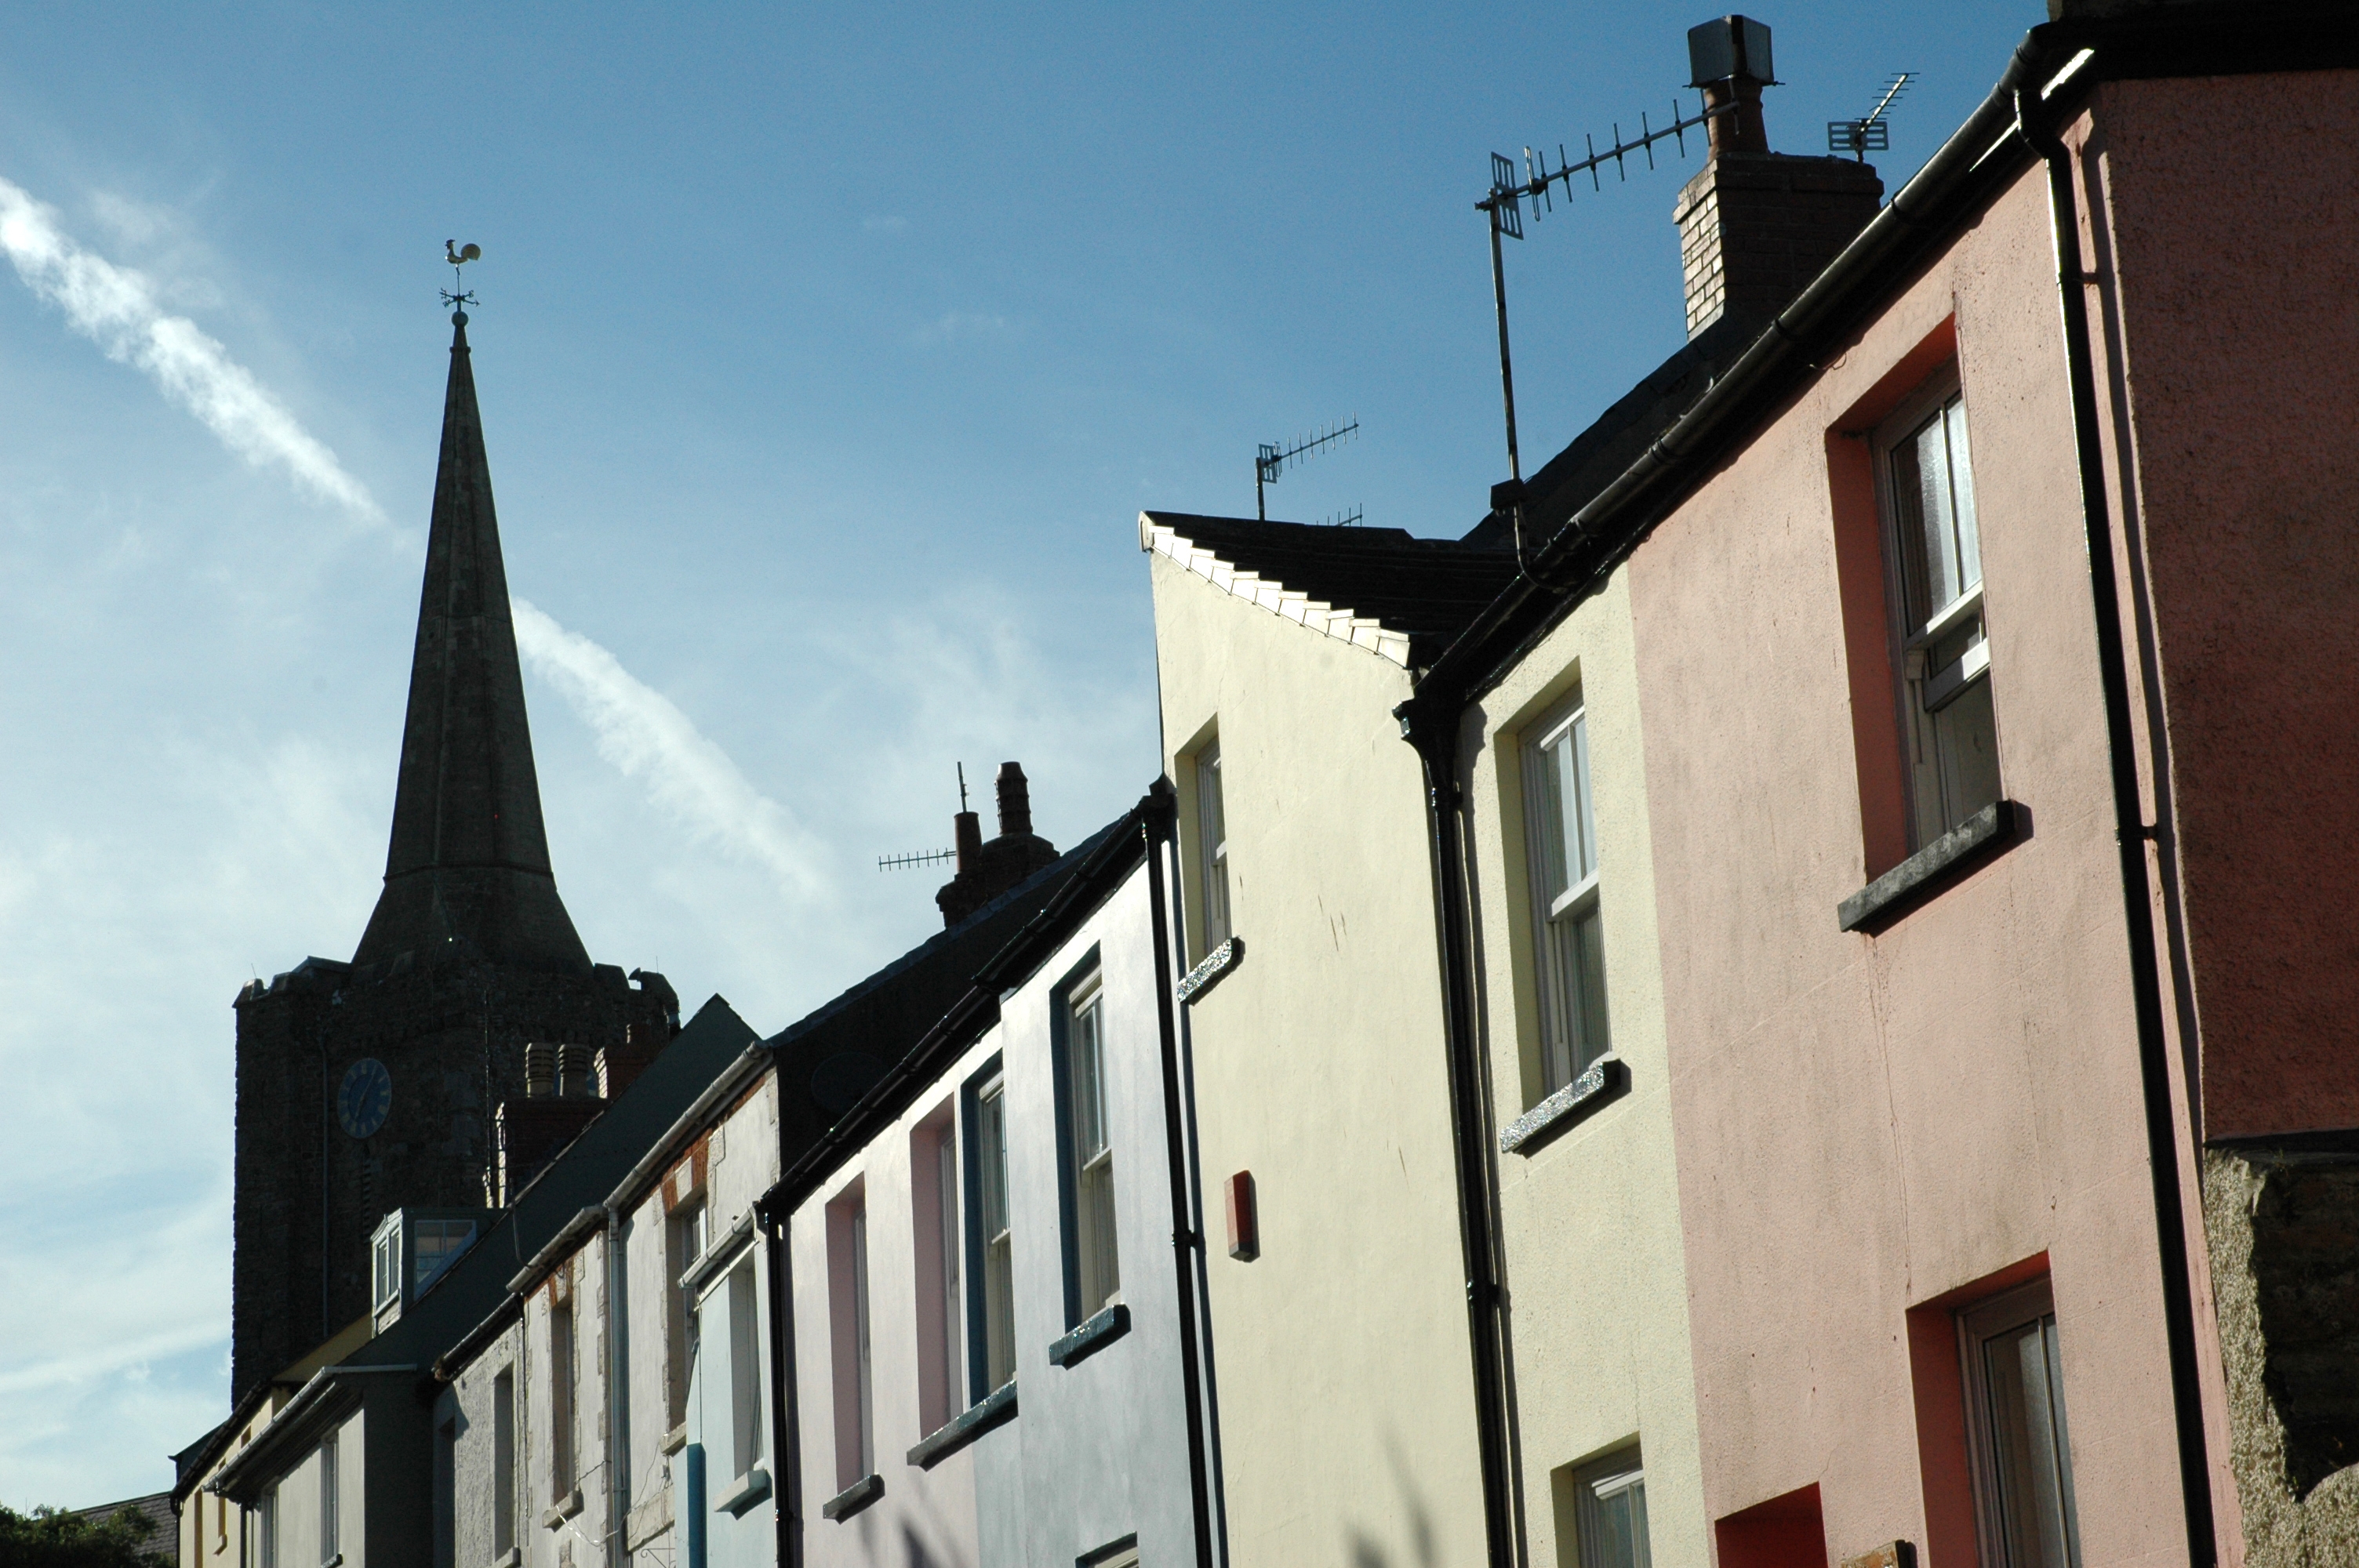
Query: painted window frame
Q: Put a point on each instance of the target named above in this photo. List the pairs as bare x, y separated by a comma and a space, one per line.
1218, 920
991, 1296
1086, 1194
1597, 1487
937, 1232
1573, 1006
687, 1233
852, 1335
331, 1523
1997, 1515
746, 1411
564, 1452
1936, 735
506, 1523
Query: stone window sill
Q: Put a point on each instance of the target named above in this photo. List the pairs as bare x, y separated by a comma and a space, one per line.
676, 1439
565, 1509
743, 1493
1930, 869
1217, 965
993, 1408
1094, 1333
508, 1559
854, 1497
1607, 1079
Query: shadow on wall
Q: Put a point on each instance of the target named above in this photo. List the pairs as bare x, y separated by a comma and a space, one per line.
1367, 1553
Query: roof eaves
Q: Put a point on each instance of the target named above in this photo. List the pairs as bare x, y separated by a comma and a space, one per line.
1158, 537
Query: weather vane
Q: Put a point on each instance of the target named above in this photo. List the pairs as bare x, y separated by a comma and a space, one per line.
457, 296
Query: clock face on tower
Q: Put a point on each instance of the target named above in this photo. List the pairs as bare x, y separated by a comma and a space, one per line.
365, 1098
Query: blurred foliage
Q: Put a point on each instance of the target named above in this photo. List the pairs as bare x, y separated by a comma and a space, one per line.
52, 1538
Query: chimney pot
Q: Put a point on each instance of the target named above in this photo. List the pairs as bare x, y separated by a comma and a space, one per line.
1756, 226
969, 838
1015, 800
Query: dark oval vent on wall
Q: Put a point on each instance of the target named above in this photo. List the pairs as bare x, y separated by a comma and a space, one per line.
838, 1082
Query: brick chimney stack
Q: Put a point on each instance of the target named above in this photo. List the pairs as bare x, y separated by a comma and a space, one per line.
1756, 226
986, 871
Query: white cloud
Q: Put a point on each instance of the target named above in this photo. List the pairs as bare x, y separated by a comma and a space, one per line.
967, 327
118, 308
688, 777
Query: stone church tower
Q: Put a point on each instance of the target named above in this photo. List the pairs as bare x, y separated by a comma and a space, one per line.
368, 1086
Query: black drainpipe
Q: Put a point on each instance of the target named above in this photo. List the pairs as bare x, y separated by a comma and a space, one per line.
786, 1485
1429, 723
2131, 833
1185, 1241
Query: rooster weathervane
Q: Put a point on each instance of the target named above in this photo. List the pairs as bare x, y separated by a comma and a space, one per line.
459, 255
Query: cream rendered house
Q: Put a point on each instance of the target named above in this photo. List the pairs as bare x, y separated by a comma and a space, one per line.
1571, 1018
1342, 1369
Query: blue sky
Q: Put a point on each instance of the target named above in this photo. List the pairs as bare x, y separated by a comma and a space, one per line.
826, 358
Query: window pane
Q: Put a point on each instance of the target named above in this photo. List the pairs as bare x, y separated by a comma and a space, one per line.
1554, 776
1961, 494
1937, 516
992, 1114
744, 1370
999, 1310
1089, 1093
1586, 833
1611, 1500
948, 1177
1211, 815
1569, 950
865, 1393
998, 1260
2029, 1451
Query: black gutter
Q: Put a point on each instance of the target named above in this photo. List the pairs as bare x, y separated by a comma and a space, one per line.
2206, 40
1187, 1242
2131, 832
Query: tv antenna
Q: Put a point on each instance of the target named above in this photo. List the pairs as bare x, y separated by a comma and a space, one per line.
458, 296
927, 857
1273, 458
1345, 519
1872, 132
1505, 207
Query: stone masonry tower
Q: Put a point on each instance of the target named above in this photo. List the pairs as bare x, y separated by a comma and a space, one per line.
368, 1086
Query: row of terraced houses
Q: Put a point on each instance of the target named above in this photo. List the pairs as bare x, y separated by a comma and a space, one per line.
1783, 999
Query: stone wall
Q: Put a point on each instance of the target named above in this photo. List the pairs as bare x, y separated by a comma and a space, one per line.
2283, 1228
452, 1036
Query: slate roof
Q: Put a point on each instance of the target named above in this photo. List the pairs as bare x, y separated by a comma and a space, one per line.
475, 1286
1381, 589
156, 1508
1616, 439
1406, 598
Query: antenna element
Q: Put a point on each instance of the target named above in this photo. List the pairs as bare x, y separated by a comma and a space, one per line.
1273, 458
1872, 132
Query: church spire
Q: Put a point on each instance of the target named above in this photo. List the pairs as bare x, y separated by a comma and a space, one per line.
469, 860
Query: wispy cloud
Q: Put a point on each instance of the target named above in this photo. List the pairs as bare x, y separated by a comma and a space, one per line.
688, 777
967, 327
119, 310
